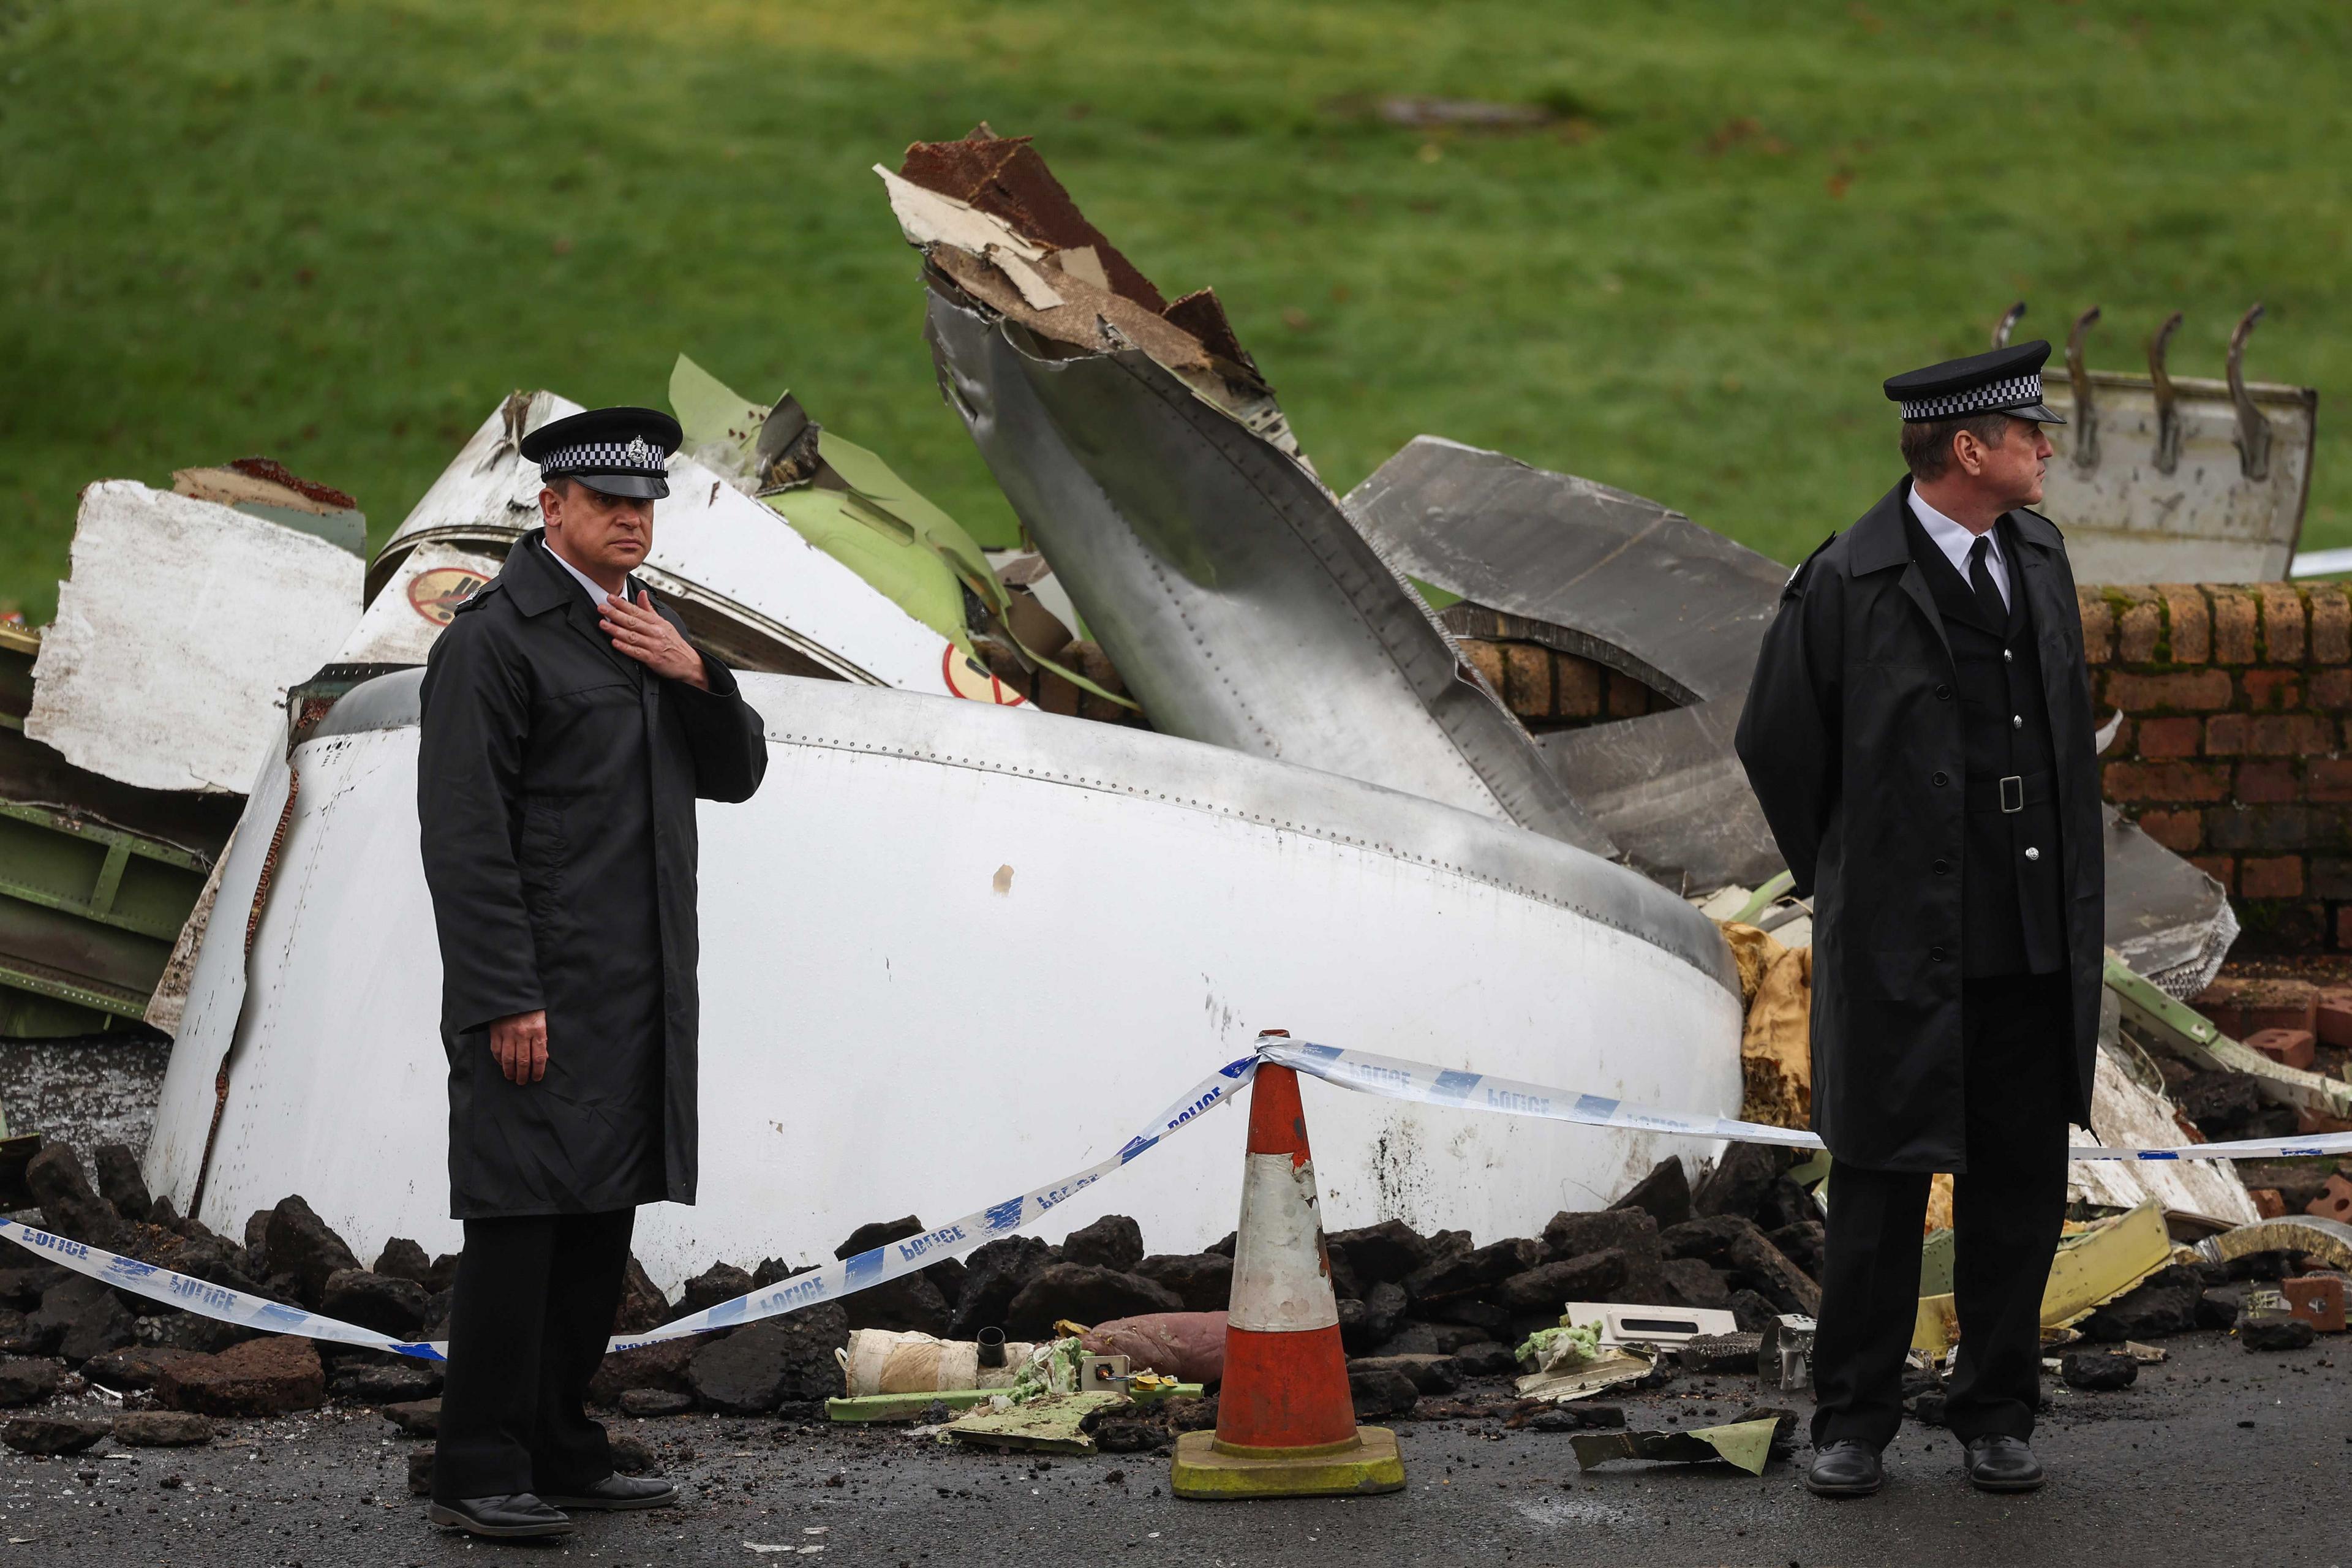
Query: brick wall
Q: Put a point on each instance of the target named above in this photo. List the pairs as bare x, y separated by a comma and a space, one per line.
2232, 746
1552, 689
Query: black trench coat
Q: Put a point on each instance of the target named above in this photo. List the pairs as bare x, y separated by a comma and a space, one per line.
1844, 741
555, 792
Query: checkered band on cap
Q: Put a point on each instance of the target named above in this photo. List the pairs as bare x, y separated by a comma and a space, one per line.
635, 456
2015, 392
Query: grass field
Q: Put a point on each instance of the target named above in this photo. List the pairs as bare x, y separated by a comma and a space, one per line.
337, 231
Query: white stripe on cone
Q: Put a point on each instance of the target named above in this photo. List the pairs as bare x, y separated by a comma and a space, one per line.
1279, 1283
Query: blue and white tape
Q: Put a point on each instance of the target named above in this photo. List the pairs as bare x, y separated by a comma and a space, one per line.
892, 1260
1425, 1085
1389, 1076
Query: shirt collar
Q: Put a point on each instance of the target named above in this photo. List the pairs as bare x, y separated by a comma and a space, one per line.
1950, 538
597, 593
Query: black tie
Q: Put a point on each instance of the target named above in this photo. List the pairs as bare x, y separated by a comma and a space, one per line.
1981, 579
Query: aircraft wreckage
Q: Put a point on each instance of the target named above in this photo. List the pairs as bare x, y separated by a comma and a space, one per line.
955, 946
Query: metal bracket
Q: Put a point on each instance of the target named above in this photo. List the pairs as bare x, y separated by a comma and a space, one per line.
2167, 412
2086, 417
2253, 430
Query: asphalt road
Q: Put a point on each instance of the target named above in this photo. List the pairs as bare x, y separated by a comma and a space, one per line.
2219, 1456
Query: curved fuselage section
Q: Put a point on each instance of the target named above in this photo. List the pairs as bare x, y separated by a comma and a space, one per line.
950, 953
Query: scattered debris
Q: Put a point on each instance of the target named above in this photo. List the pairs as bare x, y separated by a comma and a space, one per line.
161, 1429
48, 1436
1050, 1423
2098, 1372
1746, 1444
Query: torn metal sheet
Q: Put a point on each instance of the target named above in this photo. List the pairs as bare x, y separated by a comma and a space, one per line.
2164, 478
176, 637
1745, 1444
1303, 900
2129, 1110
1669, 789
417, 603
2326, 1242
1645, 591
1233, 594
1603, 573
264, 488
2153, 1015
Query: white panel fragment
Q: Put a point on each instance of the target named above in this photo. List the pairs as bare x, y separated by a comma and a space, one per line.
177, 635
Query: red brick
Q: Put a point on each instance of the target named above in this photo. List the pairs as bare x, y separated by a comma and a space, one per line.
2265, 783
2292, 735
2138, 628
2271, 877
2168, 781
2317, 1299
2331, 625
2273, 690
2282, 623
2190, 622
2175, 737
2226, 733
1527, 680
2335, 1201
2268, 1202
2218, 867
2233, 627
1628, 698
2179, 831
2279, 1004
2327, 778
2308, 1121
2223, 1004
2197, 691
1580, 684
2098, 625
2336, 1016
2288, 1047
2331, 690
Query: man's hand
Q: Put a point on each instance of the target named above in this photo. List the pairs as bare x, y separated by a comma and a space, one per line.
519, 1045
651, 641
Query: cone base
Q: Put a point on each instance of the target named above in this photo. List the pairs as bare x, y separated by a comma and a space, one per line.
1369, 1465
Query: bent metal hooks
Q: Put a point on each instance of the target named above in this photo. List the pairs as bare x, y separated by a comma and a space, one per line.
2086, 419
2009, 318
2167, 412
2253, 430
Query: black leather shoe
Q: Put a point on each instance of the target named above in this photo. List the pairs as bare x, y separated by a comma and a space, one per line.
1844, 1470
616, 1493
521, 1517
2003, 1465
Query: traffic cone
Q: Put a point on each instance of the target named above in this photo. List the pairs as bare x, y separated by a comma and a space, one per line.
1285, 1422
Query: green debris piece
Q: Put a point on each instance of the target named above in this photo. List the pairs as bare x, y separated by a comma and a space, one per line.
1746, 1444
1761, 899
1049, 1423
872, 1407
1563, 1349
858, 511
1439, 598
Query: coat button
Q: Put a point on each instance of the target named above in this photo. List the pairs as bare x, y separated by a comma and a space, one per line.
1935, 955
1940, 781
2007, 656
2017, 721
1943, 868
1943, 694
2032, 853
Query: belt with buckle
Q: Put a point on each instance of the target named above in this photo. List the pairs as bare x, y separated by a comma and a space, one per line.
2009, 793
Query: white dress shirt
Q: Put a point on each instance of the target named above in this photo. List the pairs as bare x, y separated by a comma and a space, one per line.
1956, 541
598, 593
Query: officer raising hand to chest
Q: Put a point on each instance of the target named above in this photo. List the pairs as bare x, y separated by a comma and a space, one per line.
1918, 733
568, 728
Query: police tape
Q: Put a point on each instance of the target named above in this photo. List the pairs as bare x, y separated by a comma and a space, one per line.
877, 1266
1423, 1084
1389, 1076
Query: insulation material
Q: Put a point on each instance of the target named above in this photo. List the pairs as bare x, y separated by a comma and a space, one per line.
883, 1360
1776, 1058
176, 637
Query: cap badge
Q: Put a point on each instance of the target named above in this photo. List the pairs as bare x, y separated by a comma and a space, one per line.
639, 452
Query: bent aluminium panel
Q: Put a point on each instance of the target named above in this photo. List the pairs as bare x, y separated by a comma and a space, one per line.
948, 952
1233, 594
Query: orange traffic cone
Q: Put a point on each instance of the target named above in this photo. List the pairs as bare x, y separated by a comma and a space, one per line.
1285, 1422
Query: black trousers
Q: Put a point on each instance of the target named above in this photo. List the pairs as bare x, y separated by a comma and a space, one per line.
534, 1305
2006, 1212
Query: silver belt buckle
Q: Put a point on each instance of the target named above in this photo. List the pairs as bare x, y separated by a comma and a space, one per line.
2012, 793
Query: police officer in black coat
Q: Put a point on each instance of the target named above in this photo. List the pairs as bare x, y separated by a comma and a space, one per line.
1919, 735
568, 728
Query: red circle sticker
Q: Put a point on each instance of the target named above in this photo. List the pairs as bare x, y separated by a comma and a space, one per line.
435, 595
968, 680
